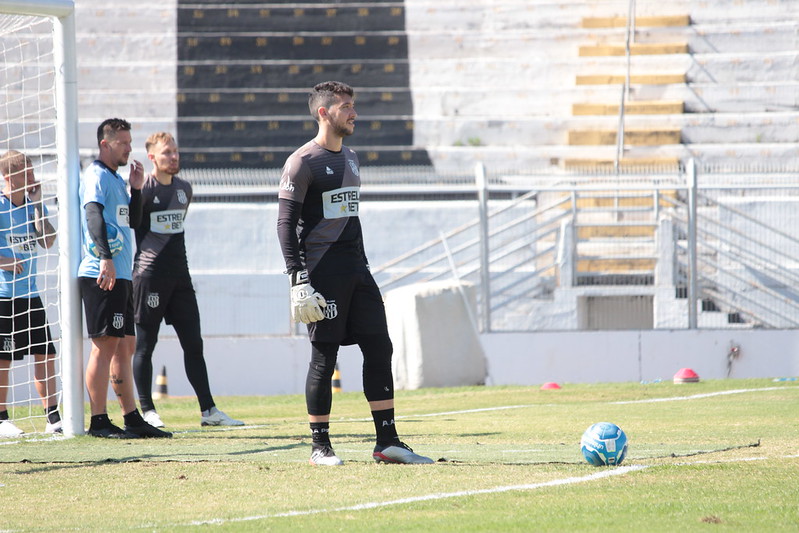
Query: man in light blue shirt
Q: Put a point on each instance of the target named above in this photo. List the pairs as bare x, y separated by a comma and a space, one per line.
23, 323
105, 280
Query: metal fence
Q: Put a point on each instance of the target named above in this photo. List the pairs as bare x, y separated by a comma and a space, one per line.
647, 248
547, 249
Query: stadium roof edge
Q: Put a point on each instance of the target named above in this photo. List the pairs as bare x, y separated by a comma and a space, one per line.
55, 8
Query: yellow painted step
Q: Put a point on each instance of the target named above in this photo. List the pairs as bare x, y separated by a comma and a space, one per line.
649, 22
592, 232
636, 49
603, 164
631, 137
624, 199
615, 266
654, 107
639, 79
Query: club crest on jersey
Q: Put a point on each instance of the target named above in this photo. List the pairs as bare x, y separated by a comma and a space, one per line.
118, 321
8, 344
331, 310
153, 300
353, 167
182, 197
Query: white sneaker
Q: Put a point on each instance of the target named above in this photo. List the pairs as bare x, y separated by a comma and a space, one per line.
215, 417
324, 456
399, 453
8, 429
152, 418
58, 427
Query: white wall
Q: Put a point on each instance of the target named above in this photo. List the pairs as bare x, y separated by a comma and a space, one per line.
277, 365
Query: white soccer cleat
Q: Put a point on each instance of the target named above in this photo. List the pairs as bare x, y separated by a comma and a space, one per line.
399, 453
8, 429
215, 417
324, 456
57, 428
152, 418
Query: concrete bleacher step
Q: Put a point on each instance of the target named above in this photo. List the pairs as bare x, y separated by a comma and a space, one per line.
648, 79
240, 16
620, 231
622, 198
650, 21
281, 104
652, 107
635, 49
588, 165
649, 137
616, 265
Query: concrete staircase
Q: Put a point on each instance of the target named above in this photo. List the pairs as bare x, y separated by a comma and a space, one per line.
652, 135
506, 84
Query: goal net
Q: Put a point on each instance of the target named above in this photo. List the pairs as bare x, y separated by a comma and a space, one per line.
33, 95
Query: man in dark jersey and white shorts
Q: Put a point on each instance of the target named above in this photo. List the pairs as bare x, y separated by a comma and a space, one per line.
162, 287
320, 235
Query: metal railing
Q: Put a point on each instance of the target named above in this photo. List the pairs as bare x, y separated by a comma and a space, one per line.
625, 90
523, 252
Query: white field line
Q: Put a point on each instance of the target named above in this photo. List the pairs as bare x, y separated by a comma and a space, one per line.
699, 396
621, 470
435, 496
506, 407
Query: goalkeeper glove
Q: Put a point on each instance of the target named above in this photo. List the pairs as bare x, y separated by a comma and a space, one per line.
306, 303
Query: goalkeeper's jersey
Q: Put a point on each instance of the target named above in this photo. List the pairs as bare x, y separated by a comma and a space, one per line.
325, 186
160, 243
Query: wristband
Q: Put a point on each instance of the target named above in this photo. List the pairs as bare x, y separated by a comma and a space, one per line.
299, 277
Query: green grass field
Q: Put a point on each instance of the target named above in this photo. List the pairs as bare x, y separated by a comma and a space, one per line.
712, 456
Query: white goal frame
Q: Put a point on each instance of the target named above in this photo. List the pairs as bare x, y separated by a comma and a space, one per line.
68, 170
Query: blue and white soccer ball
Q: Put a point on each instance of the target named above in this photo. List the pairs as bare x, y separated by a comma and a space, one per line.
115, 241
604, 444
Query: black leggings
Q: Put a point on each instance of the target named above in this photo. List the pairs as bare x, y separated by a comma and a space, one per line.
193, 361
378, 380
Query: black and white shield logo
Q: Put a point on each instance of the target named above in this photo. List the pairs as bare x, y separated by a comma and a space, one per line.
353, 167
182, 197
331, 311
153, 300
119, 321
8, 344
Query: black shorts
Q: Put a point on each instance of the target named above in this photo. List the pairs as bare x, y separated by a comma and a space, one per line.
170, 299
108, 313
354, 308
24, 329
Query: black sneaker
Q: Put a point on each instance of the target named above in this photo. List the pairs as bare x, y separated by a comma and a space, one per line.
146, 431
112, 432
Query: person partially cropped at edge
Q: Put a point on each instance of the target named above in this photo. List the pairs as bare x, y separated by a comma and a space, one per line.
162, 286
104, 277
332, 290
23, 322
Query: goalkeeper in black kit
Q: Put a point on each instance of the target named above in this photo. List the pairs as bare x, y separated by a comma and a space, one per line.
332, 289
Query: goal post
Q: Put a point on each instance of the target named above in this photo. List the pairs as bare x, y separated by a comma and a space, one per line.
63, 147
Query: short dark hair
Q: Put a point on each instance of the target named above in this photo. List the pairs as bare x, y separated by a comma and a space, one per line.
109, 128
325, 94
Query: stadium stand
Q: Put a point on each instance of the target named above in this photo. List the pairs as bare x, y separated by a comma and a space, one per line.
244, 72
